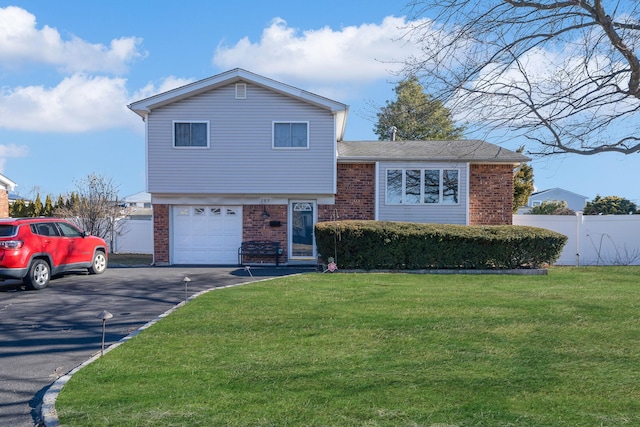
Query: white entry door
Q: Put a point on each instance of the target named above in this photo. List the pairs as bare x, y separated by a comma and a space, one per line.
206, 234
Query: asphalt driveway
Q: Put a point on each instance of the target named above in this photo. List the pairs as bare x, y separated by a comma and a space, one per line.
45, 334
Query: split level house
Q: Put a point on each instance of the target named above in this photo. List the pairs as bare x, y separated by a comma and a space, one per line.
240, 157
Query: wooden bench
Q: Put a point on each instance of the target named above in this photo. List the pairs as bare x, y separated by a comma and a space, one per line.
260, 249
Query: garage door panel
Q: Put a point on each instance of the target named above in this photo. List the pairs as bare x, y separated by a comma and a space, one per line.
206, 234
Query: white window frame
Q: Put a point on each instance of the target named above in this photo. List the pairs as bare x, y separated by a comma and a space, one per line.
290, 122
189, 147
421, 202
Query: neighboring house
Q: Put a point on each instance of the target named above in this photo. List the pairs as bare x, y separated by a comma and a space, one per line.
239, 157
141, 199
575, 202
6, 186
138, 205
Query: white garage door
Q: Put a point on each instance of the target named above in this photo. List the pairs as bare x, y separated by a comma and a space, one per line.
206, 234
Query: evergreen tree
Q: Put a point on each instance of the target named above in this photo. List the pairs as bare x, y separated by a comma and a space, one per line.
415, 116
610, 205
36, 206
18, 209
522, 184
60, 203
47, 210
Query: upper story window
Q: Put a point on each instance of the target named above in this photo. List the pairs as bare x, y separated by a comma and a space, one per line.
422, 186
191, 134
291, 135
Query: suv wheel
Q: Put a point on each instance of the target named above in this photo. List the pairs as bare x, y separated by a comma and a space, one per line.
99, 263
38, 276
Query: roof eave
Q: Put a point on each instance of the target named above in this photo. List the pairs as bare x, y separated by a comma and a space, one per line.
144, 106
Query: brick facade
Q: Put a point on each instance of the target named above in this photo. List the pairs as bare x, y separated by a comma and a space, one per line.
4, 204
355, 198
490, 203
161, 234
491, 194
255, 227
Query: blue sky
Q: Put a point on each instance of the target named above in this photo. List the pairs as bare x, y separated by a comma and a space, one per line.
69, 68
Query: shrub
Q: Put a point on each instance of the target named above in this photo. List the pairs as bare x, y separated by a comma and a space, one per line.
400, 245
554, 207
610, 205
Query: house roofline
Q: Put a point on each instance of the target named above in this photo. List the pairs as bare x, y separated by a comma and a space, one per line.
6, 182
144, 106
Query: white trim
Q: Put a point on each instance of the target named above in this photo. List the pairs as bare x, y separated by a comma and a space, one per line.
376, 196
291, 257
467, 184
7, 183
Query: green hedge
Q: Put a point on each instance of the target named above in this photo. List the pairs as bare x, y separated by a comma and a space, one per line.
373, 245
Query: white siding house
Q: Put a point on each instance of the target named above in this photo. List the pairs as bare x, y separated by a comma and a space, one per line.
241, 157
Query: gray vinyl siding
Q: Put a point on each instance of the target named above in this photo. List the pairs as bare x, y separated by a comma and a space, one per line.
240, 158
423, 213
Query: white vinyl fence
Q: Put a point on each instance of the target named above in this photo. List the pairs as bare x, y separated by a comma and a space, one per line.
593, 239
134, 237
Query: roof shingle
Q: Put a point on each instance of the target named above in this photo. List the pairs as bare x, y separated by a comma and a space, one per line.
474, 151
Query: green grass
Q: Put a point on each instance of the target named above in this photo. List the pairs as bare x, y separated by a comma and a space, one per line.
130, 259
381, 350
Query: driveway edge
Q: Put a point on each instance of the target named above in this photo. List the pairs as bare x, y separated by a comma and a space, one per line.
48, 413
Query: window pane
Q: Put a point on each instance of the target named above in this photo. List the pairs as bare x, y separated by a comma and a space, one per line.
282, 135
412, 187
298, 134
198, 134
290, 135
68, 231
450, 186
394, 186
183, 134
432, 186
7, 230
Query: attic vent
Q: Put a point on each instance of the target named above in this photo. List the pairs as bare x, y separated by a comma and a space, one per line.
241, 91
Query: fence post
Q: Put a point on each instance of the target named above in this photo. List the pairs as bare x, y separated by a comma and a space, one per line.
578, 231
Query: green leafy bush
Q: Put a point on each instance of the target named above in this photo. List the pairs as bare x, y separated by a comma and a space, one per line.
400, 245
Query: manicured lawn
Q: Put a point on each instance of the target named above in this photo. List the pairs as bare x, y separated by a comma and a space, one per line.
381, 350
130, 259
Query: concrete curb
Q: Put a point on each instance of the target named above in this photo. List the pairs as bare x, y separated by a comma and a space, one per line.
48, 413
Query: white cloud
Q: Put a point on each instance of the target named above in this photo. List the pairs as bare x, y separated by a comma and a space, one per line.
165, 85
9, 151
21, 42
353, 55
80, 103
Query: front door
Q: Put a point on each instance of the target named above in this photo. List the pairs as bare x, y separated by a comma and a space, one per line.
303, 218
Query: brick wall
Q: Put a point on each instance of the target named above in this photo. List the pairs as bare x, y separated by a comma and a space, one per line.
490, 194
161, 234
255, 227
355, 198
4, 204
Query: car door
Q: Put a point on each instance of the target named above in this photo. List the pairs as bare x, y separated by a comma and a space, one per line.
50, 242
74, 244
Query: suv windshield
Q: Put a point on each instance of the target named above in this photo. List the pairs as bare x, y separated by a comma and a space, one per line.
7, 230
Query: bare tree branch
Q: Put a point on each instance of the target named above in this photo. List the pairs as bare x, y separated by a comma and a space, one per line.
564, 74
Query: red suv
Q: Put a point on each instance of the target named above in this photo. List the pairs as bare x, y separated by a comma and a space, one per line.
34, 249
